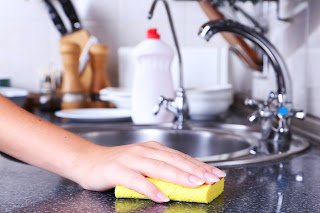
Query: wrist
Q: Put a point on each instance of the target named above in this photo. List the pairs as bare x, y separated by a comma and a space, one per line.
85, 163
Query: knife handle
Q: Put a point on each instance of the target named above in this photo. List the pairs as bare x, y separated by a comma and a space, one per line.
71, 13
245, 52
55, 17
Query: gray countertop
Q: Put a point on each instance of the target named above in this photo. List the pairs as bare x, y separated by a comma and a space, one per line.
287, 185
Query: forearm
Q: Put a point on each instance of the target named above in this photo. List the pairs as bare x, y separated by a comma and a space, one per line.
47, 146
40, 143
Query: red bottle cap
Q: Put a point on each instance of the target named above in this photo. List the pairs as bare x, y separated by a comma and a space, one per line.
153, 34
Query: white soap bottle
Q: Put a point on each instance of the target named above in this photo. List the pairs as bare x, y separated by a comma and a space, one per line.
152, 79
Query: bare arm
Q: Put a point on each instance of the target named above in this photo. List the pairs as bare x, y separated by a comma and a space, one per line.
38, 142
47, 146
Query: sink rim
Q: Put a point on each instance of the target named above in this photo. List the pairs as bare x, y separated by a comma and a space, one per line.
298, 144
249, 133
248, 138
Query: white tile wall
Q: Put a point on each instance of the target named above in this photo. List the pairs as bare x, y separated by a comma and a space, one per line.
298, 42
202, 67
29, 41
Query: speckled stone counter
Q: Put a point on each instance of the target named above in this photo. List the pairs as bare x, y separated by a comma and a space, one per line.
288, 185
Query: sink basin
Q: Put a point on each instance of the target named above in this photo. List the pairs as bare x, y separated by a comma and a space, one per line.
206, 145
220, 145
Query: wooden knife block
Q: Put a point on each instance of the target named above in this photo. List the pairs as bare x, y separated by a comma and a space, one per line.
87, 78
80, 38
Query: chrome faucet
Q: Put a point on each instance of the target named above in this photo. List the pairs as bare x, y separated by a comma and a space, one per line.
178, 105
276, 112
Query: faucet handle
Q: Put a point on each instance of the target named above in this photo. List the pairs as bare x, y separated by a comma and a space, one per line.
251, 102
166, 102
284, 116
272, 96
254, 116
161, 100
285, 112
263, 111
299, 114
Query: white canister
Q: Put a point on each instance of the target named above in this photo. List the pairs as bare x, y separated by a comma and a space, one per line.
152, 79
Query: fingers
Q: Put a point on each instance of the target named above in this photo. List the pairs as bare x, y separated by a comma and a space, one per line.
218, 172
187, 163
182, 164
143, 186
128, 165
163, 171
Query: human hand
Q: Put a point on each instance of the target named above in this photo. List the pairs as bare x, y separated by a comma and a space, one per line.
96, 167
128, 166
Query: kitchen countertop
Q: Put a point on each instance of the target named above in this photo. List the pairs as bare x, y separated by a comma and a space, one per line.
288, 185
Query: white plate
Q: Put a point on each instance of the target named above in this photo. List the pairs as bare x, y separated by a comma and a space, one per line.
11, 92
95, 114
16, 95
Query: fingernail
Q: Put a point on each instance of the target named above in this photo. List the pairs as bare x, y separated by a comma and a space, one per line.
219, 173
222, 174
211, 177
196, 180
163, 197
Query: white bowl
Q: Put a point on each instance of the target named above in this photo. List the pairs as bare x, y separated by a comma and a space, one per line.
120, 102
115, 91
16, 95
206, 103
121, 97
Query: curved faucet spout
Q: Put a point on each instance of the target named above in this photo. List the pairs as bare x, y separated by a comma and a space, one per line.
274, 119
282, 75
179, 105
150, 15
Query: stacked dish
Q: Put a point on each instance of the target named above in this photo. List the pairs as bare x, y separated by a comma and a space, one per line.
95, 114
16, 95
121, 97
204, 103
208, 102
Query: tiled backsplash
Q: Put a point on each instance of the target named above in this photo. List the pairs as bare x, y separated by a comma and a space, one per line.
29, 41
202, 67
299, 43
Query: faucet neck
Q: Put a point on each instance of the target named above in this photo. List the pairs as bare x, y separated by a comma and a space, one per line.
150, 15
179, 105
279, 66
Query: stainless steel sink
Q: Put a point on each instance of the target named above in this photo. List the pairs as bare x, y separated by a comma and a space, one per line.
219, 144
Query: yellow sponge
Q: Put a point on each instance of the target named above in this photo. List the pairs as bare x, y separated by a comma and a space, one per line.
203, 194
